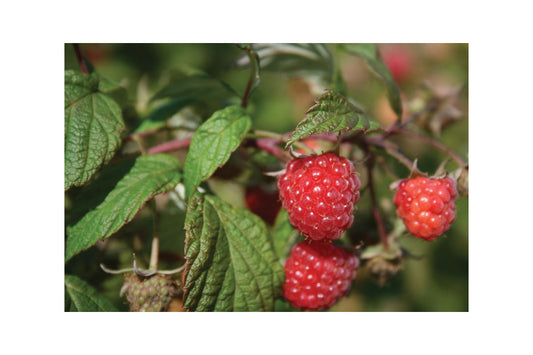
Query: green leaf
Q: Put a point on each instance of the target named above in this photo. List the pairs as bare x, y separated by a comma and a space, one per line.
182, 93
93, 124
231, 264
213, 143
332, 113
283, 306
114, 90
284, 235
158, 117
369, 53
197, 87
115, 197
313, 61
82, 297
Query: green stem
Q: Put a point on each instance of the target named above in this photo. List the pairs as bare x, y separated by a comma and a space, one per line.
154, 257
253, 77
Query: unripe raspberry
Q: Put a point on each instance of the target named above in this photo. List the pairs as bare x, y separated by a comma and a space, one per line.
317, 274
152, 294
319, 192
427, 206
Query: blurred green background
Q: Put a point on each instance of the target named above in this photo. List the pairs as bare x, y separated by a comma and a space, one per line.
437, 281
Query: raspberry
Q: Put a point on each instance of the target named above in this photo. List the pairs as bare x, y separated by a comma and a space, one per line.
151, 294
427, 206
399, 62
317, 274
263, 203
319, 192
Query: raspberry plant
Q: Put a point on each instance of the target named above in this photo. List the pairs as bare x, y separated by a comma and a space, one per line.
184, 176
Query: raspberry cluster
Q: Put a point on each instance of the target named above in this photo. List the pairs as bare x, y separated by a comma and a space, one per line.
427, 206
317, 274
319, 192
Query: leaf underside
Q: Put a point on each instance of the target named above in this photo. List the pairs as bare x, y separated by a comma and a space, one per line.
308, 60
114, 198
231, 264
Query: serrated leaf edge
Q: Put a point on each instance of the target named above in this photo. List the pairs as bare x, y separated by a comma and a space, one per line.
317, 103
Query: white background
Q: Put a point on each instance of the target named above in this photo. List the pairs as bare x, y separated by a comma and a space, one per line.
31, 66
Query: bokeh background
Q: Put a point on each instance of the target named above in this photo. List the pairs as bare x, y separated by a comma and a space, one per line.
437, 280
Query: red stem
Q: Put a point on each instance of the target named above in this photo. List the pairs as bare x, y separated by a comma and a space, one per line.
80, 58
270, 145
170, 146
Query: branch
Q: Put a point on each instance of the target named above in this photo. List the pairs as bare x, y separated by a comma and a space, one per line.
386, 146
432, 142
270, 145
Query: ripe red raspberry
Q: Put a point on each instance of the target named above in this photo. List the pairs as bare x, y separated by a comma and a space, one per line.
319, 192
399, 61
263, 203
317, 274
427, 206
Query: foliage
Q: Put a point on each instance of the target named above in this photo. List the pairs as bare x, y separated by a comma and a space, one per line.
141, 189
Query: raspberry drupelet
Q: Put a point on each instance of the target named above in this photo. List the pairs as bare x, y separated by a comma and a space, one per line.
320, 192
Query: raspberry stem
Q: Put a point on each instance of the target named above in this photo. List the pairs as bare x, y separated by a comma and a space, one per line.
391, 151
270, 146
375, 207
280, 137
